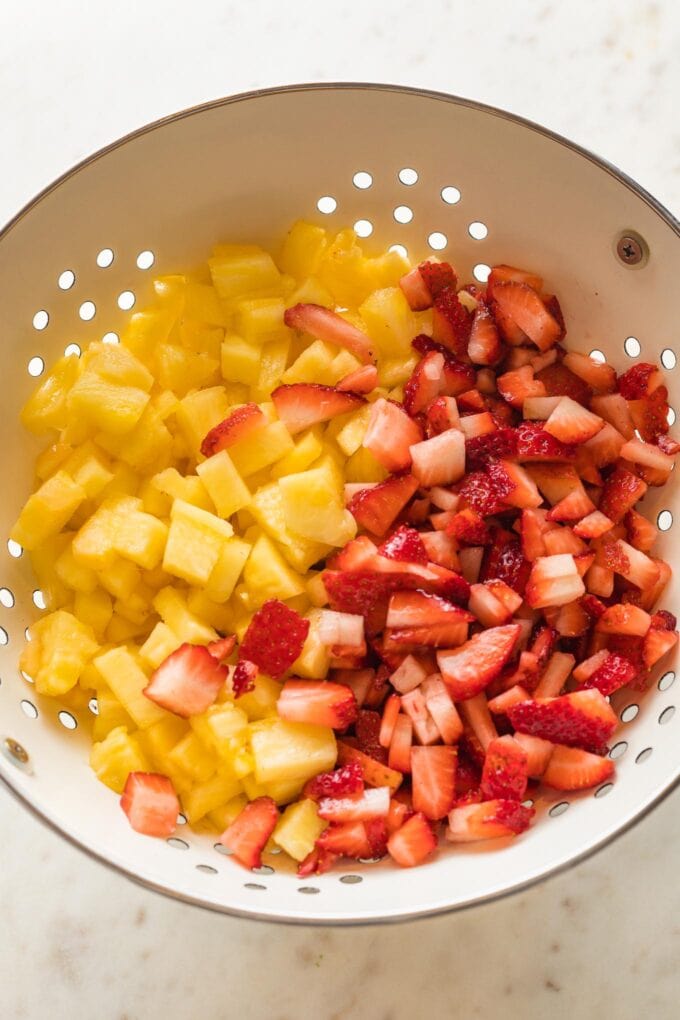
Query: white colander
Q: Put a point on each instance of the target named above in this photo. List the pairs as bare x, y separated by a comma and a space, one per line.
423, 170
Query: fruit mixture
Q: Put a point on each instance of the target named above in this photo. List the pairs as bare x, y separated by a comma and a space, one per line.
343, 555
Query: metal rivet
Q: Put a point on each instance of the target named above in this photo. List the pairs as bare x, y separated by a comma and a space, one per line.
630, 249
17, 752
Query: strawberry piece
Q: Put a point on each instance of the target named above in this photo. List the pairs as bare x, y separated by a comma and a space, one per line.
323, 324
656, 644
399, 813
600, 376
247, 836
243, 678
640, 532
469, 669
150, 803
650, 415
367, 730
361, 380
573, 507
340, 783
318, 702
519, 487
420, 609
451, 323
519, 385
484, 345
356, 807
348, 839
510, 274
439, 460
399, 758
425, 384
479, 493
558, 381
581, 719
222, 648
471, 401
413, 842
491, 820
668, 445
554, 581
404, 545
274, 639
639, 381
534, 443
415, 290
558, 668
441, 415
187, 682
441, 709
409, 674
593, 525
390, 434
239, 424
616, 671
433, 779
376, 509
415, 707
373, 772
438, 635
571, 768
520, 303
501, 444
663, 620
438, 277
467, 526
593, 606
317, 862
572, 423
505, 773
512, 696
504, 561
538, 753
388, 721
300, 405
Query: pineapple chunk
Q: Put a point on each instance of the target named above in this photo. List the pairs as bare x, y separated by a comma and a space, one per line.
189, 488
201, 339
238, 271
260, 703
46, 408
223, 816
222, 728
316, 591
161, 642
240, 360
172, 609
268, 576
154, 501
181, 370
302, 250
73, 574
115, 757
363, 467
194, 542
224, 484
351, 435
226, 572
127, 681
311, 291
146, 447
285, 751
202, 302
396, 372
190, 758
110, 715
104, 405
260, 320
313, 505
343, 364
313, 365
94, 609
43, 560
145, 330
308, 448
198, 412
268, 510
121, 631
343, 270
216, 614
136, 607
60, 648
120, 578
390, 322
116, 364
51, 459
210, 795
314, 660
159, 739
298, 829
46, 512
273, 363
260, 449
88, 467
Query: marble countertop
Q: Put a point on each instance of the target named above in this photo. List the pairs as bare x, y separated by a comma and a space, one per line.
77, 940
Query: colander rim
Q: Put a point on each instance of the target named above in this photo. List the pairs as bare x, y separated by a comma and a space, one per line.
307, 918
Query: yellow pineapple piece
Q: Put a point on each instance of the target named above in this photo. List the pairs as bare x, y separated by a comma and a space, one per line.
343, 364
227, 570
194, 542
188, 488
137, 607
89, 468
47, 511
201, 339
224, 484
125, 483
268, 576
61, 646
120, 578
115, 757
223, 816
268, 510
342, 270
290, 752
313, 365
140, 537
145, 330
164, 403
43, 560
314, 660
198, 412
190, 758
46, 408
316, 591
390, 322
298, 829
110, 715
273, 363
397, 371
214, 613
146, 447
363, 467
121, 631
105, 405
153, 500
308, 448
311, 291
240, 360
313, 505
351, 435
264, 446
116, 364
161, 642
202, 303
94, 609
159, 739
260, 320
170, 291
303, 247
242, 270
180, 370
210, 795
73, 574
252, 788
127, 681
93, 545
173, 611
223, 729
50, 459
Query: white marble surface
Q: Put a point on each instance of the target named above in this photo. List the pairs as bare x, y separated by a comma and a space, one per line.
76, 940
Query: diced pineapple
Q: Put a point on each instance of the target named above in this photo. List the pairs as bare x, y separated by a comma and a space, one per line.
343, 364
115, 757
311, 291
136, 607
47, 511
127, 681
116, 364
120, 578
93, 545
172, 609
316, 591
146, 447
210, 795
140, 537
363, 467
285, 751
188, 488
268, 510
260, 703
159, 739
343, 270
223, 729
261, 448
49, 461
180, 370
252, 788
390, 322
59, 650
260, 320
153, 500
202, 303
273, 363
303, 247
198, 412
191, 758
164, 403
268, 576
313, 365
43, 558
121, 631
216, 614
298, 829
125, 483
110, 715
170, 293
351, 435
313, 505
224, 484
223, 816
238, 271
308, 448
395, 372
227, 570
314, 659
194, 542
161, 642
145, 330
240, 360
46, 408
94, 609
74, 574
89, 468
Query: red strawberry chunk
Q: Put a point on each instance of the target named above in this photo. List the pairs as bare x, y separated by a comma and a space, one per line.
421, 609
616, 671
433, 778
399, 758
300, 405
367, 729
533, 443
650, 415
439, 460
442, 415
324, 324
663, 620
390, 434
571, 768
479, 493
668, 445
581, 719
467, 526
362, 380
559, 381
500, 444
187, 682
438, 276
404, 545
656, 644
348, 839
415, 290
622, 490
356, 807
244, 677
247, 836
413, 842
639, 381
340, 783
469, 669
373, 772
316, 863
222, 648
524, 307
572, 423
451, 323
504, 561
492, 819
150, 803
366, 594
239, 424
510, 274
484, 346
377, 508
505, 774
319, 702
425, 384
274, 639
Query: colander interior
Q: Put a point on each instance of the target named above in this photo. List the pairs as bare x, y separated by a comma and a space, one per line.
421, 170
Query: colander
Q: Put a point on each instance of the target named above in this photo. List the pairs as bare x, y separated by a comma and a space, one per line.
424, 170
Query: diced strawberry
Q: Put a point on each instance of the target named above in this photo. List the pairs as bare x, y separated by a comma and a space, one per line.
536, 409
524, 307
640, 381
573, 507
390, 433
512, 696
555, 674
247, 836
409, 675
413, 842
517, 386
359, 681
571, 768
438, 276
324, 324
593, 525
389, 718
243, 678
500, 444
437, 635
581, 719
356, 807
663, 620
376, 509
557, 380
317, 862
471, 562
425, 384
649, 598
367, 730
415, 707
404, 545
467, 526
650, 415
491, 820
187, 682
349, 839
442, 415
478, 492
600, 376
150, 803
361, 380
488, 609
415, 290
441, 709
441, 549
374, 772
399, 813
433, 778
399, 758
532, 526
344, 629
319, 702
475, 425
510, 274
504, 561
484, 345
517, 485
451, 323
340, 783
640, 532
668, 445
274, 639
635, 566
223, 647
441, 521
613, 407
471, 402
572, 423
469, 669
420, 609
300, 405
237, 425
538, 753
439, 460
505, 774
534, 443
364, 593
656, 644
554, 581
614, 672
